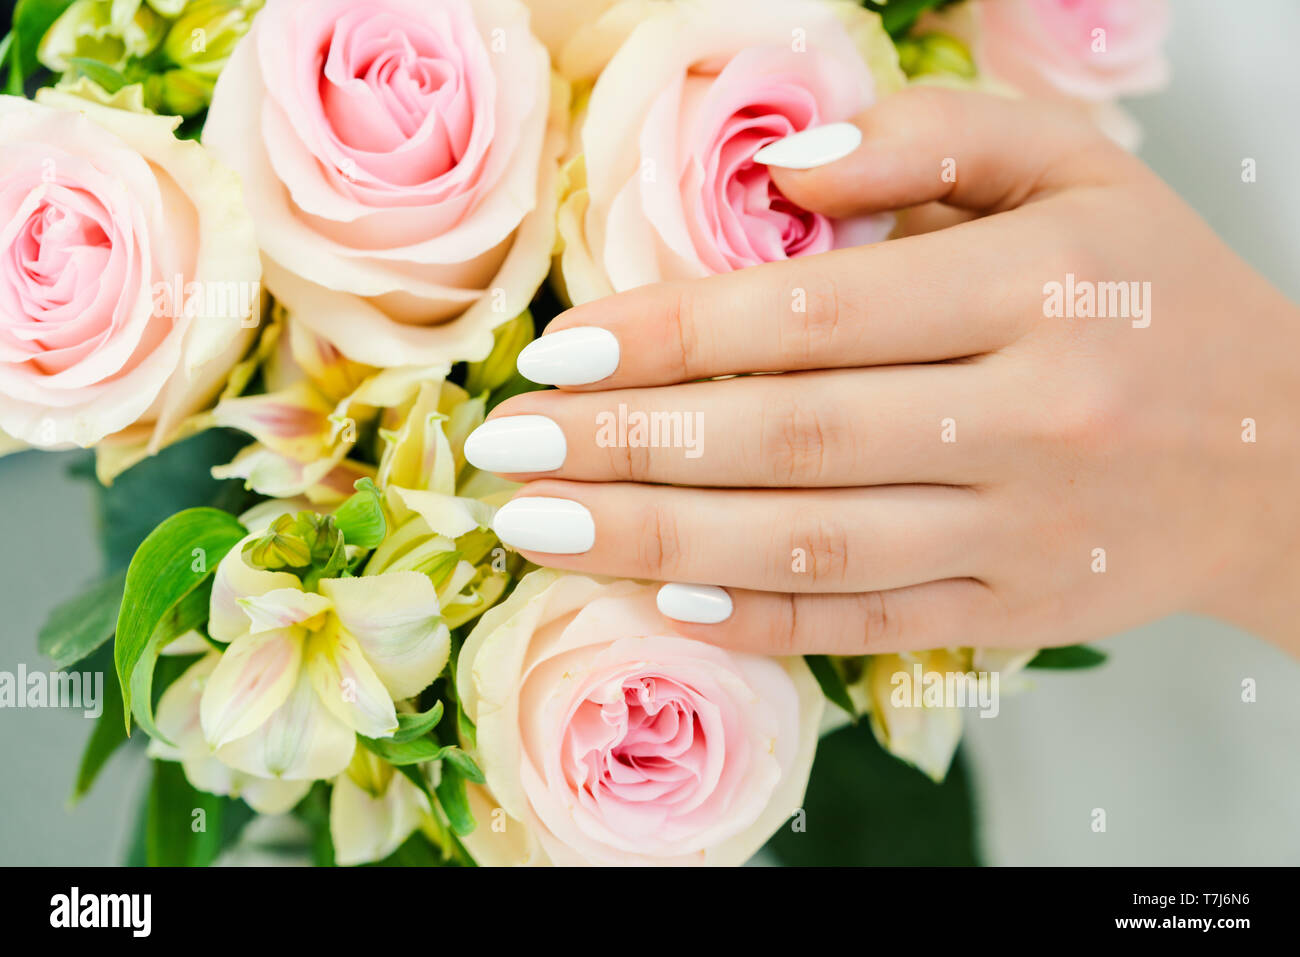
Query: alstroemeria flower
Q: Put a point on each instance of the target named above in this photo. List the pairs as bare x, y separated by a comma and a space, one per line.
305, 670
440, 508
178, 719
373, 809
926, 735
318, 402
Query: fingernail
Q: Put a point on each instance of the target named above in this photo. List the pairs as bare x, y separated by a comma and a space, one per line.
699, 604
576, 356
517, 443
815, 147
538, 524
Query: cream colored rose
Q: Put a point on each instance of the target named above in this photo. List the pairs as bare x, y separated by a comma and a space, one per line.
400, 162
661, 182
607, 738
130, 275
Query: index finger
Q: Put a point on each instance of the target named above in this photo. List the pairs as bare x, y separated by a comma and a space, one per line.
949, 294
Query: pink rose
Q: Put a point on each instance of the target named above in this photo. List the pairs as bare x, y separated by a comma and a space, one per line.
392, 153
129, 277
665, 186
1090, 50
607, 738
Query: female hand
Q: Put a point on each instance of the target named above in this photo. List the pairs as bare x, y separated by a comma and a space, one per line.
951, 455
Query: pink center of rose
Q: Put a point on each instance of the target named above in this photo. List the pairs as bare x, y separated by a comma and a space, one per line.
736, 215
58, 251
400, 95
643, 753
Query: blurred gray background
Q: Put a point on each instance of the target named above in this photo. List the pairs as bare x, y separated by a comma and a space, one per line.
1158, 737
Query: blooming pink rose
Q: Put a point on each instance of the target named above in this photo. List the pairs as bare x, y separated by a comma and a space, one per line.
393, 156
129, 276
607, 738
665, 186
1090, 50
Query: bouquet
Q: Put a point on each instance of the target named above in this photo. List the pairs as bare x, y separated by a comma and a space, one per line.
273, 261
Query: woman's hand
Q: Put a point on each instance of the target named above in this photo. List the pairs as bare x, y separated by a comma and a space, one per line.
952, 454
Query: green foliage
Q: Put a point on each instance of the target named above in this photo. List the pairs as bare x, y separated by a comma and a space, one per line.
181, 826
1070, 656
164, 597
361, 517
31, 19
82, 624
865, 807
898, 16
832, 682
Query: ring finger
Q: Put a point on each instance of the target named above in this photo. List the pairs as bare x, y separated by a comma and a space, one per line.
827, 540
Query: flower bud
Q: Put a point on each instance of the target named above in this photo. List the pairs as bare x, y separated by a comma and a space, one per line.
202, 38
105, 31
178, 92
935, 53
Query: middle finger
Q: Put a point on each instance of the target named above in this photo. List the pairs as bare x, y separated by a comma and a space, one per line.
840, 428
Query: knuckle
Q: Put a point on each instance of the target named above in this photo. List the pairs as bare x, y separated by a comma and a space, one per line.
680, 328
825, 541
795, 445
1090, 419
879, 624
630, 462
784, 637
659, 544
812, 320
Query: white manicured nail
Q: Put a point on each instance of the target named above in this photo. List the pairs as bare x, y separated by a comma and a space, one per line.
517, 443
538, 524
815, 147
574, 356
700, 604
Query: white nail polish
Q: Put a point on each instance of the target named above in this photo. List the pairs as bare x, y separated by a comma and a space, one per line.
517, 443
815, 147
576, 356
537, 524
699, 604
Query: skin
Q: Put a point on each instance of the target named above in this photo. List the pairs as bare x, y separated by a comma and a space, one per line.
1071, 434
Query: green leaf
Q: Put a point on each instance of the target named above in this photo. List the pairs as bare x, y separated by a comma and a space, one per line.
899, 15
183, 826
454, 801
361, 517
104, 76
466, 727
14, 79
177, 557
1070, 656
32, 18
463, 764
189, 613
80, 625
410, 726
420, 751
831, 682
105, 737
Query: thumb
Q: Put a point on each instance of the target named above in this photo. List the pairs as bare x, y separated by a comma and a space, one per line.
975, 151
